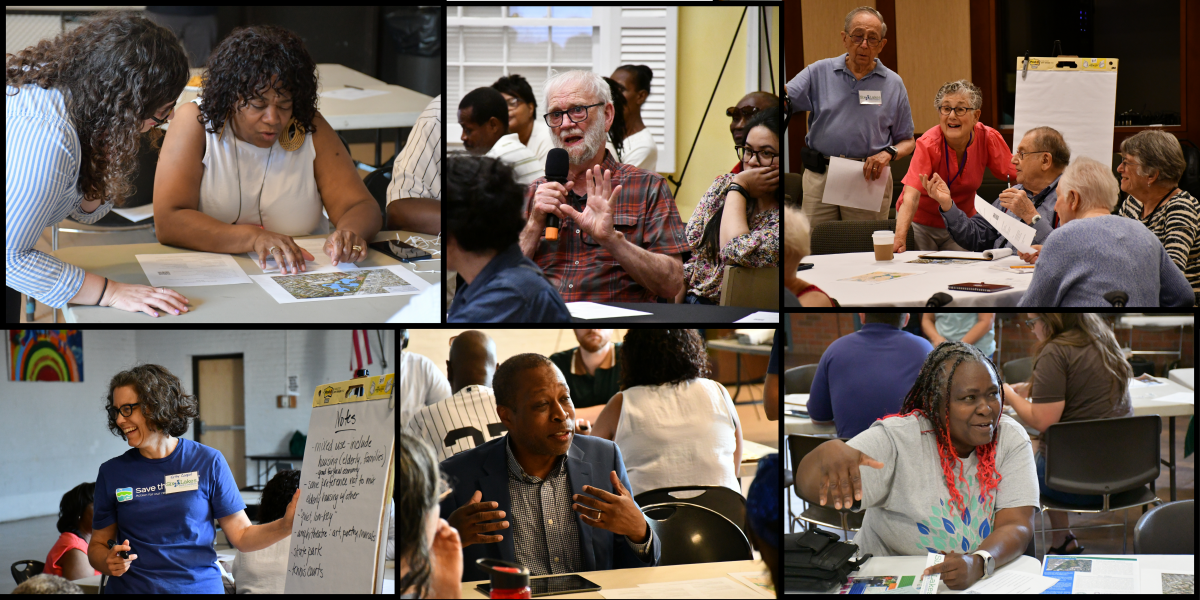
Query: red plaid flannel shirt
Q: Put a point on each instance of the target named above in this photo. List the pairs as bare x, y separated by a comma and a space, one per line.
582, 270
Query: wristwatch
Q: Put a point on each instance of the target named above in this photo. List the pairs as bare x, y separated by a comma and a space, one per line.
891, 150
1036, 218
741, 190
989, 563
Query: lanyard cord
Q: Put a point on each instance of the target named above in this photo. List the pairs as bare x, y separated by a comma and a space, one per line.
238, 163
961, 165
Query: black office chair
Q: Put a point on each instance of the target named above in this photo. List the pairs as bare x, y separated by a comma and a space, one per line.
1087, 461
798, 380
694, 534
1167, 529
31, 568
1018, 370
719, 498
798, 446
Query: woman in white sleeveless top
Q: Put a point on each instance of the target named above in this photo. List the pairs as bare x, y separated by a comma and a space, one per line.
254, 163
674, 427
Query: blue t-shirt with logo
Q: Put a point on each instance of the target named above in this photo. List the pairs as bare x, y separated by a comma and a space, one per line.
166, 508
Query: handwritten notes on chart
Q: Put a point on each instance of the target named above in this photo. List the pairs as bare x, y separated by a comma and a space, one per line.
340, 527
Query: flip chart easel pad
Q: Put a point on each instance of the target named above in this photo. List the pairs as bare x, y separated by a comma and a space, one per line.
339, 534
1081, 105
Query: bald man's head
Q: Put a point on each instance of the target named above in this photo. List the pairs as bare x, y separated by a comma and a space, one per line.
759, 100
472, 360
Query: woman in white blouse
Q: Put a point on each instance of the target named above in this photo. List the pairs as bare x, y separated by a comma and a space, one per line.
253, 165
674, 427
638, 148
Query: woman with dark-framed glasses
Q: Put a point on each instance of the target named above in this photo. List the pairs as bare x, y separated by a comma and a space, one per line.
158, 500
731, 225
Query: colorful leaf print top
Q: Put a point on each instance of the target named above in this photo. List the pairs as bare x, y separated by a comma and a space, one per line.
908, 507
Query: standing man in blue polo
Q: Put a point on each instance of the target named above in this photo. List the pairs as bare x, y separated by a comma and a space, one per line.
858, 109
866, 375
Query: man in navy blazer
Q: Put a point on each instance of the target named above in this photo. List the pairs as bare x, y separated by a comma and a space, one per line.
577, 481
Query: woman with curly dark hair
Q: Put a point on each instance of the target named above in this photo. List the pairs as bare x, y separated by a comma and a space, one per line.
673, 425
75, 109
67, 558
251, 163
164, 493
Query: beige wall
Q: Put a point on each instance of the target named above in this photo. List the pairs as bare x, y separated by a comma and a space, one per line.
822, 22
935, 47
434, 344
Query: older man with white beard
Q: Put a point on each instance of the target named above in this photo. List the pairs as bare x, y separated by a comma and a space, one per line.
626, 243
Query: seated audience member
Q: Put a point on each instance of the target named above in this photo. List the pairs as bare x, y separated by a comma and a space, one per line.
523, 118
771, 382
68, 556
592, 370
729, 225
763, 516
415, 194
1094, 252
951, 474
976, 329
947, 168
1079, 374
44, 583
1152, 165
431, 553
468, 418
535, 477
483, 115
615, 143
853, 398
639, 148
263, 571
1031, 200
422, 384
673, 424
483, 220
626, 244
795, 249
739, 119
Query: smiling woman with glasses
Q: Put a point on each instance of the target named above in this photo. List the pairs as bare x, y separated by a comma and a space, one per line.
163, 485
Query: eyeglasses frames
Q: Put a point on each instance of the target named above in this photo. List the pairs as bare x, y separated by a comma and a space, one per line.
958, 110
575, 113
124, 410
744, 112
765, 157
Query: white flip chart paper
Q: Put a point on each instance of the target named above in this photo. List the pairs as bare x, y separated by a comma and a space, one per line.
1081, 105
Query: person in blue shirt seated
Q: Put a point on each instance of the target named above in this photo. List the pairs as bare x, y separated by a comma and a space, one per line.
483, 211
565, 495
864, 376
1095, 252
1040, 158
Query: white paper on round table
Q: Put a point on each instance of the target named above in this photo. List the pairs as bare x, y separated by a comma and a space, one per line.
914, 290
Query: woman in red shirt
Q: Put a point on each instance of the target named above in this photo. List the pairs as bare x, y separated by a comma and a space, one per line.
957, 150
68, 556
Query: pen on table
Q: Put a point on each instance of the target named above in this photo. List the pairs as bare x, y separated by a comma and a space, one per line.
351, 86
1022, 266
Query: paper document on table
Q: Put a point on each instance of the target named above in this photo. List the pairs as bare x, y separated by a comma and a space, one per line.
757, 580
137, 213
191, 268
846, 186
716, 587
1017, 233
761, 316
1181, 581
1176, 398
1092, 574
591, 310
392, 280
351, 93
321, 262
1011, 582
879, 276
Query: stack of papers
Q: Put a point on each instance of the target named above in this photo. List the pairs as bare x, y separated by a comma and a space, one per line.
191, 268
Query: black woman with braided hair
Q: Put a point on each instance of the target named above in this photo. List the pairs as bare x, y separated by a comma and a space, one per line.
950, 474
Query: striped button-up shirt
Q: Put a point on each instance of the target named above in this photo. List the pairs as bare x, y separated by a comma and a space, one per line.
644, 212
417, 171
545, 532
42, 158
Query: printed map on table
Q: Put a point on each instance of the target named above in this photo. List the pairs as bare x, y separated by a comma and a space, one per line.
879, 276
364, 282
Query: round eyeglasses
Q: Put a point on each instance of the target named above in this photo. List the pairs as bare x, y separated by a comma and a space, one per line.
957, 110
575, 113
124, 410
765, 157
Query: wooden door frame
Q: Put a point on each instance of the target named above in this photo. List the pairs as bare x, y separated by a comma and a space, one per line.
196, 378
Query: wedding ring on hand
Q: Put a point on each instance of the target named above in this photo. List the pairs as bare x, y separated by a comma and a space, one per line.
272, 249
356, 248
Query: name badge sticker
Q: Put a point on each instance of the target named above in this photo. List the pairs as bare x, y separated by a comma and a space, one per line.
870, 97
183, 482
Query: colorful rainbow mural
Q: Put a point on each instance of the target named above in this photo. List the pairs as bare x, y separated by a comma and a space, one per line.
45, 355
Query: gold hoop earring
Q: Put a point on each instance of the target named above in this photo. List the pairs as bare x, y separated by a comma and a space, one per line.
293, 136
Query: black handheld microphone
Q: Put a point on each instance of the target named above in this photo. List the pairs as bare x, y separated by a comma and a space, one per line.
939, 299
122, 554
557, 164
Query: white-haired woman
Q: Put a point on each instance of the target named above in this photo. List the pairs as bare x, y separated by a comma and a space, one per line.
1094, 252
796, 248
1151, 167
947, 168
